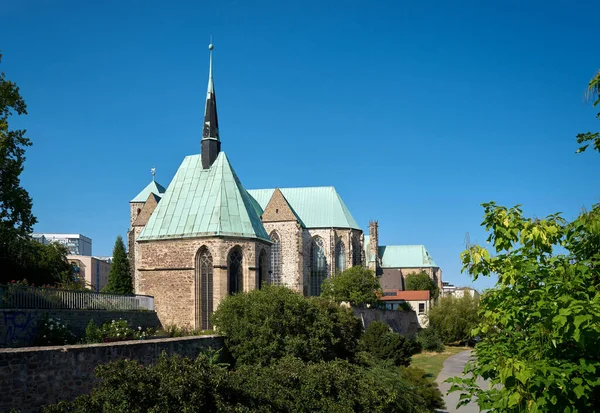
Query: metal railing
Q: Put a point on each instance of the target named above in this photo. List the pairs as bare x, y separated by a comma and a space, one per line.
20, 296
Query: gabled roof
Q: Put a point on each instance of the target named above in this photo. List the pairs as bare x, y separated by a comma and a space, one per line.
152, 188
393, 295
205, 202
405, 256
317, 207
147, 210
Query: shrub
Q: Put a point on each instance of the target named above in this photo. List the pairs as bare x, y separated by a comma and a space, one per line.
425, 387
264, 325
429, 340
176, 331
384, 344
93, 334
454, 318
53, 332
404, 306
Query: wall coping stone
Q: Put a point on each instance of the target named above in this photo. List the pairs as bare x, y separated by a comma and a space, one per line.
66, 348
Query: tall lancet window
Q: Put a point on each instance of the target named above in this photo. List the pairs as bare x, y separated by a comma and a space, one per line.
356, 252
275, 259
318, 266
261, 276
204, 289
340, 257
236, 270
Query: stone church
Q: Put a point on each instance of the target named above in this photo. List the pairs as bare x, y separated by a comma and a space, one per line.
205, 236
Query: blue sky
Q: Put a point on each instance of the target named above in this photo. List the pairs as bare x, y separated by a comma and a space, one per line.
417, 112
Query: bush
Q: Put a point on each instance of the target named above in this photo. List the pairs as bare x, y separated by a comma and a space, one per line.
115, 330
454, 318
425, 387
265, 325
357, 285
93, 334
429, 340
176, 331
176, 384
172, 385
386, 345
53, 332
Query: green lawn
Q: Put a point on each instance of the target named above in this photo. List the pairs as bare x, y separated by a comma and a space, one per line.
432, 363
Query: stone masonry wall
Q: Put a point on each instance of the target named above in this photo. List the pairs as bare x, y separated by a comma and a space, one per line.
290, 237
35, 376
167, 271
18, 327
401, 322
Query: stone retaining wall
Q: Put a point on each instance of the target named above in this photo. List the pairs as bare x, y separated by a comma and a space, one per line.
35, 376
402, 322
18, 327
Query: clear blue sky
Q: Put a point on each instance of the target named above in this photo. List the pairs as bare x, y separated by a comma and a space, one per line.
417, 112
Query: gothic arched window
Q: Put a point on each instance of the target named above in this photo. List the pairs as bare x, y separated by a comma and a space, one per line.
235, 269
261, 275
356, 252
204, 288
318, 266
275, 259
340, 257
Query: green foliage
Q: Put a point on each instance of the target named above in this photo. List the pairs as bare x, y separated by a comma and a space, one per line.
264, 325
357, 285
454, 318
176, 331
404, 306
539, 324
16, 219
172, 385
175, 384
421, 282
425, 387
593, 94
115, 330
429, 340
53, 332
385, 345
119, 276
93, 334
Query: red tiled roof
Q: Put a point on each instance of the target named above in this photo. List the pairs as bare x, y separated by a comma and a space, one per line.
405, 295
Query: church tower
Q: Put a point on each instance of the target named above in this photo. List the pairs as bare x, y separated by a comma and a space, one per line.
211, 144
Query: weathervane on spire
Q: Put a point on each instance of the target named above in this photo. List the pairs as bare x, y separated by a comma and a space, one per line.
153, 172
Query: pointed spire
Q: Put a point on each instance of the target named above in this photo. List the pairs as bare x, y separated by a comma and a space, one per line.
211, 122
211, 145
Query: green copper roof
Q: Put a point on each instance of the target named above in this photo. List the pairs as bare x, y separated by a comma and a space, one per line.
317, 207
205, 202
152, 188
405, 256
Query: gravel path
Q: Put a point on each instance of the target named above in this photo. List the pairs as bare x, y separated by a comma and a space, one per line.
453, 366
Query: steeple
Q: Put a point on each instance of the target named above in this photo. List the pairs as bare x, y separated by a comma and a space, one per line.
211, 145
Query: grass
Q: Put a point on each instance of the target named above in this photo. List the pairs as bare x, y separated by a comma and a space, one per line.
432, 363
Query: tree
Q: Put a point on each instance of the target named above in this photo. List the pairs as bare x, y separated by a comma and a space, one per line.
540, 329
357, 284
386, 345
16, 219
264, 325
592, 94
420, 282
119, 276
453, 318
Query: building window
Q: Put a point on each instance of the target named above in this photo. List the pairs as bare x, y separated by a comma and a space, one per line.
318, 266
389, 294
261, 275
275, 259
204, 289
356, 252
340, 257
235, 270
421, 308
